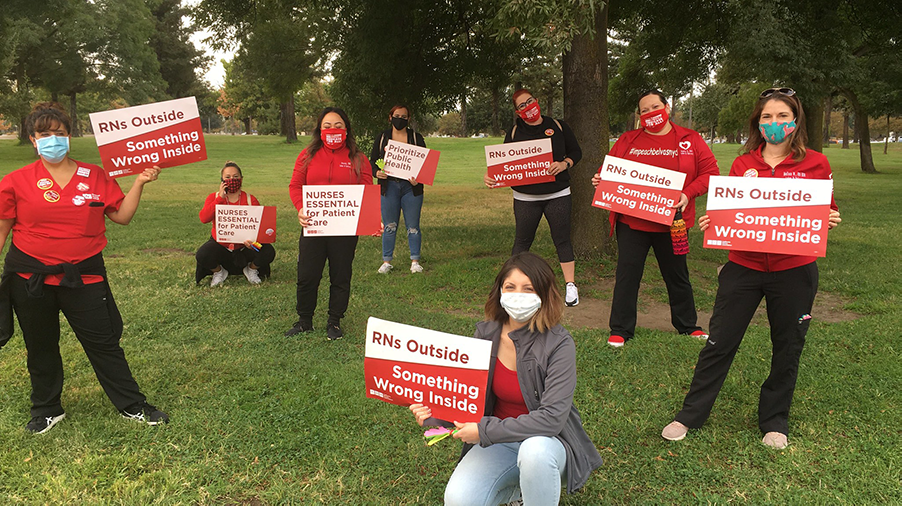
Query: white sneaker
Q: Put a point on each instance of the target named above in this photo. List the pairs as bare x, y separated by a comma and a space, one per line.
415, 267
572, 297
386, 268
252, 275
219, 276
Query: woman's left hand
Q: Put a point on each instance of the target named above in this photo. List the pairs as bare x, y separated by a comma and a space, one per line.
467, 432
556, 168
681, 205
833, 220
413, 181
149, 175
381, 174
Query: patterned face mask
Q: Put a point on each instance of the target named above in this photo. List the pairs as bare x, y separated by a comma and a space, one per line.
775, 133
232, 185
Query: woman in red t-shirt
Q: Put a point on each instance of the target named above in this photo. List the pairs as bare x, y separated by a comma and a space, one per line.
663, 144
222, 258
56, 209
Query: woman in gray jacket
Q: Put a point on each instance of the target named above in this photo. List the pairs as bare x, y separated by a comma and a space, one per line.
530, 439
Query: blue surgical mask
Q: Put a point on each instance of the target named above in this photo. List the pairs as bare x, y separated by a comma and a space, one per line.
775, 133
53, 148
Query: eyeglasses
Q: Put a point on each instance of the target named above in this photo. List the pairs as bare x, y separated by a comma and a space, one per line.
526, 104
782, 91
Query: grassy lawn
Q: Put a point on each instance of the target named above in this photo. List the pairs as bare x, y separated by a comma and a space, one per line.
258, 418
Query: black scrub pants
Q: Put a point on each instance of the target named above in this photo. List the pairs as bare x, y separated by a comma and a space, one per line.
312, 256
789, 296
632, 250
95, 319
211, 255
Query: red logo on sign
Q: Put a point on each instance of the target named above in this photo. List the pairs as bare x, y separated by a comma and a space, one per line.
45, 183
51, 196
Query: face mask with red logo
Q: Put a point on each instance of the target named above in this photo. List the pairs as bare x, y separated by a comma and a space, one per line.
333, 138
232, 185
654, 121
531, 112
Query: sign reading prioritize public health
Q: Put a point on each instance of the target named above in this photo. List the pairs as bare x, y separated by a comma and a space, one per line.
769, 215
520, 163
236, 224
407, 160
407, 365
637, 189
345, 209
165, 134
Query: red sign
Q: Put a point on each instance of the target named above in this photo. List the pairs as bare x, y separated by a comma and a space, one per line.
407, 160
407, 365
236, 224
637, 189
520, 163
769, 215
166, 134
344, 209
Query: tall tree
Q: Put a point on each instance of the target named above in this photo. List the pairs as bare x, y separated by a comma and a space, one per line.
181, 62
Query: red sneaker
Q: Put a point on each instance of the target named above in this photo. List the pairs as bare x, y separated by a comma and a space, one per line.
699, 334
616, 341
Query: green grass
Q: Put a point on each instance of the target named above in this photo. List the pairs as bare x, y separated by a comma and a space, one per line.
259, 418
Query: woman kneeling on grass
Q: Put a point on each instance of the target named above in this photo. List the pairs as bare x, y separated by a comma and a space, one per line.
788, 283
523, 445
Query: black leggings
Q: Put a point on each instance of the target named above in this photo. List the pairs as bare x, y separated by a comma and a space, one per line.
528, 214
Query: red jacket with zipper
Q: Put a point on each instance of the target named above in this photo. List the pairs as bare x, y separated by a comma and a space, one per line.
328, 166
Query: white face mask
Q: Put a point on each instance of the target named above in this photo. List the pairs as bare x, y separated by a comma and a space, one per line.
520, 306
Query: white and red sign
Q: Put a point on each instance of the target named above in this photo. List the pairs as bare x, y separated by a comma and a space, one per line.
132, 139
407, 160
638, 189
520, 163
236, 224
344, 209
769, 215
407, 365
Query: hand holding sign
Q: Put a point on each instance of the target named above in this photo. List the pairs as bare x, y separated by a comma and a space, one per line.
519, 163
637, 189
410, 162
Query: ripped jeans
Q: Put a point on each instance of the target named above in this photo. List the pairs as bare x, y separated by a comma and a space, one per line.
399, 196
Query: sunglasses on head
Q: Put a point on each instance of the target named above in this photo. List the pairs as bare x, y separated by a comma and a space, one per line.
782, 91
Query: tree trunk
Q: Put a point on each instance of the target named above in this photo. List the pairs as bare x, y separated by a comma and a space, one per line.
496, 106
886, 141
814, 124
247, 125
463, 114
23, 130
845, 129
713, 133
289, 127
73, 113
585, 69
828, 117
855, 132
54, 97
863, 132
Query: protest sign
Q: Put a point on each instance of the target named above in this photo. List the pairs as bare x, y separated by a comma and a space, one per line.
347, 209
165, 134
236, 224
520, 163
639, 190
407, 365
407, 160
769, 215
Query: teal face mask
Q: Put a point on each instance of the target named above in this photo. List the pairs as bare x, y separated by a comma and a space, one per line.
53, 148
775, 133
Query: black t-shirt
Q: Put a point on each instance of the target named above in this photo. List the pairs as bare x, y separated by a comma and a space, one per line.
563, 145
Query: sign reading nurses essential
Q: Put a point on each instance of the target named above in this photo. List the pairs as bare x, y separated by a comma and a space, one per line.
346, 209
407, 365
236, 224
769, 215
520, 163
407, 160
637, 189
165, 134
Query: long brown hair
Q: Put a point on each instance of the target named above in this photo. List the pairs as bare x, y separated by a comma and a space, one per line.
543, 282
797, 139
316, 143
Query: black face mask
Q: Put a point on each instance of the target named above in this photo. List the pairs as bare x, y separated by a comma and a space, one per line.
398, 123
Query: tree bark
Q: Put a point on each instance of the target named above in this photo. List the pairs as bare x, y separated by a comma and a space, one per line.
23, 130
886, 140
828, 117
247, 125
814, 124
73, 113
496, 109
289, 126
463, 114
863, 132
585, 69
845, 130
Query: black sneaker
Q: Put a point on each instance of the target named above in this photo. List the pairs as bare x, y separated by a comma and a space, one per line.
299, 327
333, 332
42, 424
144, 412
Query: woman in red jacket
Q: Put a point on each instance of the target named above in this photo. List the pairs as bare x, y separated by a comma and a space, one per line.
788, 283
332, 157
222, 258
663, 144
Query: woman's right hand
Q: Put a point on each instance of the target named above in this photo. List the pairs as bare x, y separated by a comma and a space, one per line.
222, 190
303, 219
596, 178
703, 222
381, 174
422, 413
491, 183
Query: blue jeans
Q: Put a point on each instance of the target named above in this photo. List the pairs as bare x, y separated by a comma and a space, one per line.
500, 473
399, 196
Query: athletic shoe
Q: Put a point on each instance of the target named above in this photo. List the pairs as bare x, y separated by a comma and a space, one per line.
219, 276
674, 431
144, 412
252, 275
616, 341
776, 440
42, 424
333, 332
415, 267
385, 269
699, 334
299, 327
572, 297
